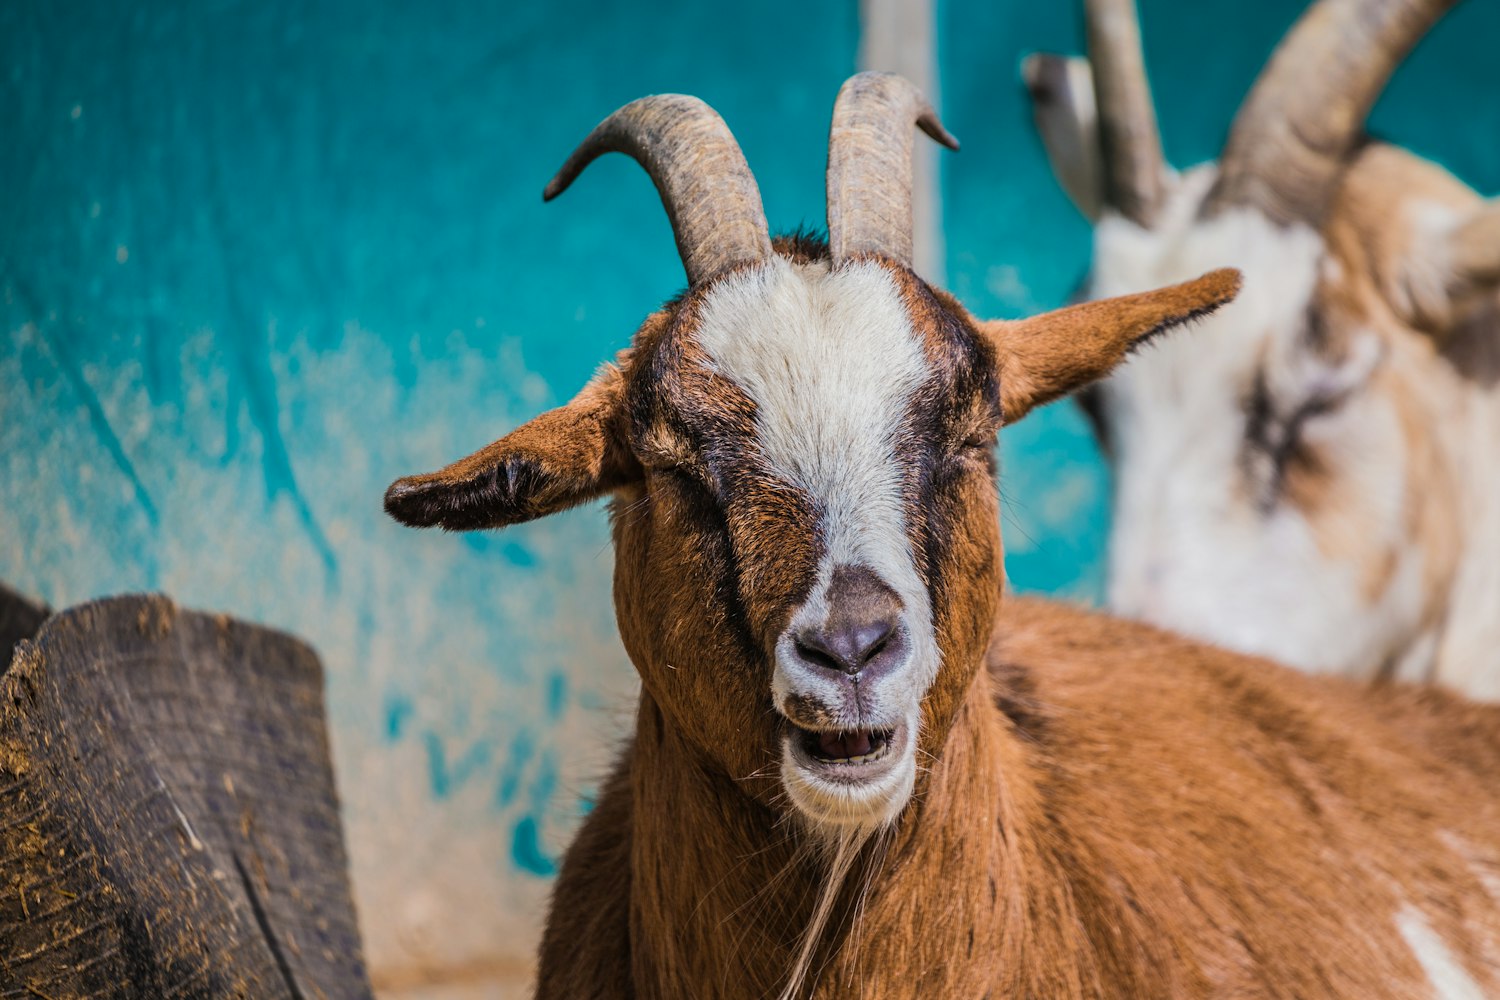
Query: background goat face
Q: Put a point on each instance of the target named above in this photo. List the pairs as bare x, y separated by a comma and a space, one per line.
1281, 483
814, 532
1288, 482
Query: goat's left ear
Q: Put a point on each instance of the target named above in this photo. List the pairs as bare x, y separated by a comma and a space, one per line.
1474, 252
1048, 356
558, 460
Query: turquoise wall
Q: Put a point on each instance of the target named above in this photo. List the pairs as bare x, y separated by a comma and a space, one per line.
259, 259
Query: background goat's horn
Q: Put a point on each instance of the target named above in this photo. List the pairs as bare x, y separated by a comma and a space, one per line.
870, 165
1134, 169
705, 184
1307, 110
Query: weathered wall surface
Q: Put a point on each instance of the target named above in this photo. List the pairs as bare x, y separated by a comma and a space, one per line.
257, 259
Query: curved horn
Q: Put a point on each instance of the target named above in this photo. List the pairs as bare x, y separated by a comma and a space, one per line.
870, 164
700, 173
1134, 168
1307, 109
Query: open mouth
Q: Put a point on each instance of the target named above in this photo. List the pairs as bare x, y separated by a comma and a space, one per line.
849, 777
848, 757
856, 746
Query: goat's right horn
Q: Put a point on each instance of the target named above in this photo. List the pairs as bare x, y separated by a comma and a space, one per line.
870, 165
1307, 109
700, 173
1134, 169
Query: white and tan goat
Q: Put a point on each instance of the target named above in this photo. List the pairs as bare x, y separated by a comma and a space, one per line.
853, 773
1313, 475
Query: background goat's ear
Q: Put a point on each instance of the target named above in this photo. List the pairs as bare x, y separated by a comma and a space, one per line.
1062, 105
1048, 356
1445, 276
1474, 254
558, 460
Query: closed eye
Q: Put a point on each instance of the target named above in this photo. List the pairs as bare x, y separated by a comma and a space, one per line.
1274, 439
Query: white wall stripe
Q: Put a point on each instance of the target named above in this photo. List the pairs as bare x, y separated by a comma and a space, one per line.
900, 36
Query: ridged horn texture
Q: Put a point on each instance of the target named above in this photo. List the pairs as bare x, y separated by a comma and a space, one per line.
700, 173
1307, 110
870, 165
1134, 169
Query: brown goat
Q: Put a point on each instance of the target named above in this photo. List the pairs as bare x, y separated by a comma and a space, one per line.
854, 773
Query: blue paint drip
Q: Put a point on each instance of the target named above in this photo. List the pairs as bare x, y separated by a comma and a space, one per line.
398, 711
445, 778
254, 369
557, 695
476, 541
544, 783
517, 554
526, 849
99, 420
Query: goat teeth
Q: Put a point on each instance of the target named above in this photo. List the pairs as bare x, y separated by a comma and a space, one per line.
875, 754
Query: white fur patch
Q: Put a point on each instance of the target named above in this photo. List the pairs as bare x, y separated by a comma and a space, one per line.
1193, 546
831, 361
1449, 979
1468, 657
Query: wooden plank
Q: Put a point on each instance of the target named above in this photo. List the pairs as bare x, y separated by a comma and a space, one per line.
168, 819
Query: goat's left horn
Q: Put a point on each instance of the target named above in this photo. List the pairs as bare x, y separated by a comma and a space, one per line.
702, 177
1135, 171
870, 165
1307, 110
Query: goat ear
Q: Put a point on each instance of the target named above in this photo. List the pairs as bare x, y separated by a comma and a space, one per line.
1048, 356
558, 460
1062, 106
1474, 250
1443, 276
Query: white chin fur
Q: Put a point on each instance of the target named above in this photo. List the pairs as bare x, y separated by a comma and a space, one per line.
835, 806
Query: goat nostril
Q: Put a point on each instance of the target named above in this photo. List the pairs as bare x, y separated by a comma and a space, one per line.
870, 640
846, 649
812, 651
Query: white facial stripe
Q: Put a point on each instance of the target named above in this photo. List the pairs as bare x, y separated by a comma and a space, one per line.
832, 362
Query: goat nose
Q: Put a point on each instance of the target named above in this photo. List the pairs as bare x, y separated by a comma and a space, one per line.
848, 646
862, 629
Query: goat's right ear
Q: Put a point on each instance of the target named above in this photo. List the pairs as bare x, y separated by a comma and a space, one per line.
558, 460
1048, 356
1062, 106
